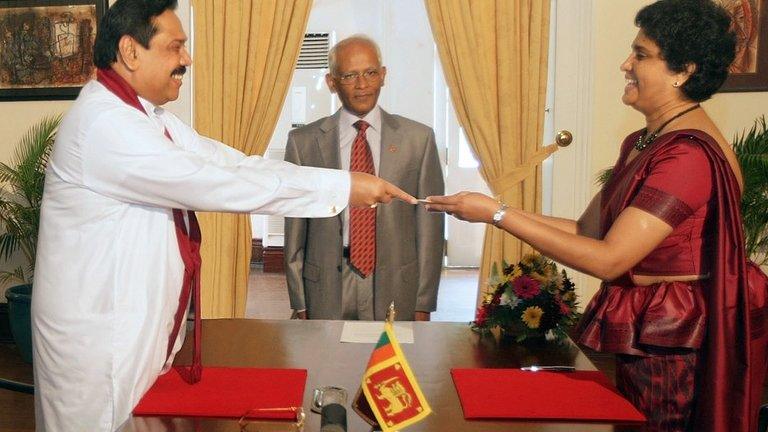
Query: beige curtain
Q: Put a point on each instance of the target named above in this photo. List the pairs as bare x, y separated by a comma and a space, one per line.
245, 52
494, 54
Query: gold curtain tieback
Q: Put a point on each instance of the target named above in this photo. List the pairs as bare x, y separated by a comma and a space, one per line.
507, 180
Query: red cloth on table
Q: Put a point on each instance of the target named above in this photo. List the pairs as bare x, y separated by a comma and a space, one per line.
517, 394
227, 393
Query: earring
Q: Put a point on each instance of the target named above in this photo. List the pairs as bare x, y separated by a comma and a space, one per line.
676, 84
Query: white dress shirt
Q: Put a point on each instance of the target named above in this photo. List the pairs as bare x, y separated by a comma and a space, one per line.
109, 271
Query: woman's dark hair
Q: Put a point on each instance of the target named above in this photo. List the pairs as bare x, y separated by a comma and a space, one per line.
126, 17
692, 31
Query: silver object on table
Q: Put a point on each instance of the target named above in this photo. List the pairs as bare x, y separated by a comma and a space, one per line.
536, 368
327, 395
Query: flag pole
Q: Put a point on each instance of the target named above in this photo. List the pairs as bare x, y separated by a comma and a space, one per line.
389, 394
391, 313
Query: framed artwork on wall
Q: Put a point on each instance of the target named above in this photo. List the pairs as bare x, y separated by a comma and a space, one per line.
749, 71
46, 47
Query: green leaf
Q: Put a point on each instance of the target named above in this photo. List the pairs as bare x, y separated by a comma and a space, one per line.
495, 278
603, 176
21, 194
17, 275
751, 150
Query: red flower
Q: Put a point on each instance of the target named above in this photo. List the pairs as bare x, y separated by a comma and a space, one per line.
564, 309
481, 316
526, 287
497, 297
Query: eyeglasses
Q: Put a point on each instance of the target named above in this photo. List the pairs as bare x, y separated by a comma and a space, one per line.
253, 415
371, 75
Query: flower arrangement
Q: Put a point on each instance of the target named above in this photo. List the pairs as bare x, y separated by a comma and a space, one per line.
530, 299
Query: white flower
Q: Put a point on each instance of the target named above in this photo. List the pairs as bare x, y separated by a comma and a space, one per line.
509, 299
504, 300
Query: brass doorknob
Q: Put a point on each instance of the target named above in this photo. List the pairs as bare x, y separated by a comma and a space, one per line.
564, 138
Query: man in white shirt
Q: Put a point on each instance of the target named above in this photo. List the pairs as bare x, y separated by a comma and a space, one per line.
109, 269
354, 265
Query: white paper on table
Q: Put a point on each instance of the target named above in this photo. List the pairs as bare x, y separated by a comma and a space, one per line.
370, 331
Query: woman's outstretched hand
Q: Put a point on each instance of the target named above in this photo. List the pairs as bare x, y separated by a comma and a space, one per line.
467, 206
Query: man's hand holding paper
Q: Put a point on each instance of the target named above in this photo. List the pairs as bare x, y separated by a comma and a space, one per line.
367, 190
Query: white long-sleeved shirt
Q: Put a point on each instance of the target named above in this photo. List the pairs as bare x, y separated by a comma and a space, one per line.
108, 270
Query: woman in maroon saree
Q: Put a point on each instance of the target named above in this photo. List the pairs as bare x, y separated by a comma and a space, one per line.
680, 305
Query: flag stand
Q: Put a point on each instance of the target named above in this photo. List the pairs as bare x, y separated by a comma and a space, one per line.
389, 396
361, 407
359, 402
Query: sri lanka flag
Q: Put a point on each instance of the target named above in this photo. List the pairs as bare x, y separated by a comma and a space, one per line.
389, 386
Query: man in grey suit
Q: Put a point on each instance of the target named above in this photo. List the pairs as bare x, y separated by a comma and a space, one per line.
353, 266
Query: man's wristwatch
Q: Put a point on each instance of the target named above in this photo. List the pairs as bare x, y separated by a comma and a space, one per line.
499, 215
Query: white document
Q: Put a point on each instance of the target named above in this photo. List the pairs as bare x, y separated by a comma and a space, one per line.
370, 331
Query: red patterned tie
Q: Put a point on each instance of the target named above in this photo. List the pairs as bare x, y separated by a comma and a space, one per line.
362, 221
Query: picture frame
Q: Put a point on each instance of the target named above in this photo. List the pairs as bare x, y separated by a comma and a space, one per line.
46, 47
749, 71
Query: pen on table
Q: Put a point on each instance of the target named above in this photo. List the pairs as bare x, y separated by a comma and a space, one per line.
535, 368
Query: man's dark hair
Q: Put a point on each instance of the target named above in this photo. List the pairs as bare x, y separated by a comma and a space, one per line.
692, 32
127, 17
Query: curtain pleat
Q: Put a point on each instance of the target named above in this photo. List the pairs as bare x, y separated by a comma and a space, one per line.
494, 54
245, 53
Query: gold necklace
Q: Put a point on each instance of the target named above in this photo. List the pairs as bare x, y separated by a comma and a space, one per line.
645, 139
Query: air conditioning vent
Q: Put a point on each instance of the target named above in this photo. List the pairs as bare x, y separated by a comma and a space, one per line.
314, 51
276, 225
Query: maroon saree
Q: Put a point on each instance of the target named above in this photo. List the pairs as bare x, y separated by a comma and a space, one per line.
725, 316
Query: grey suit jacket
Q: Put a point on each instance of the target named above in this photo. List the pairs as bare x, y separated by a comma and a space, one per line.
409, 241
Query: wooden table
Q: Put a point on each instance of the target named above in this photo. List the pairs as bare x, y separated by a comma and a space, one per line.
315, 346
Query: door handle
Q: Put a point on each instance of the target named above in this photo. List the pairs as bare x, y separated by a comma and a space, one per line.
564, 138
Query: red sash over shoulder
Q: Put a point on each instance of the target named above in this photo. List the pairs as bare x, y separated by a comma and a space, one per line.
726, 315
189, 242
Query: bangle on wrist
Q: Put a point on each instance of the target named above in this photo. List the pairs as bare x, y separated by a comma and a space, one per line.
499, 215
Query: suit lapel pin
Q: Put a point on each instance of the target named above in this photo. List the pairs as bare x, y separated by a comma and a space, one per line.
392, 149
